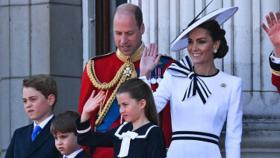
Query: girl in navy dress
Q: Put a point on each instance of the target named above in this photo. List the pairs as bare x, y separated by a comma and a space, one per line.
139, 136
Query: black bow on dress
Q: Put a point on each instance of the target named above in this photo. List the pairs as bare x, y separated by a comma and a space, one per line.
184, 68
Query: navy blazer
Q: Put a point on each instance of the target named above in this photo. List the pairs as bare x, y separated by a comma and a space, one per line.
43, 146
82, 154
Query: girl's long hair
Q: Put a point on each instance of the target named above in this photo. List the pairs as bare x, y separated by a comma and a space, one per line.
138, 89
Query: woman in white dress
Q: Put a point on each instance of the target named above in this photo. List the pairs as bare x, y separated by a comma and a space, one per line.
202, 97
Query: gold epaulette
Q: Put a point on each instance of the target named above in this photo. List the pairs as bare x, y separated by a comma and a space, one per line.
126, 71
96, 83
101, 56
277, 73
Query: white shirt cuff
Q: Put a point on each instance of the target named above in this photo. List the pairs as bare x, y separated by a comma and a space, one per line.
144, 78
274, 59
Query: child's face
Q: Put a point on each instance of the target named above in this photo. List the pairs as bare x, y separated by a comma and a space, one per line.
130, 109
66, 143
36, 105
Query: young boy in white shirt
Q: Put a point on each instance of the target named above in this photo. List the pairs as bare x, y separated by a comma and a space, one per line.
64, 131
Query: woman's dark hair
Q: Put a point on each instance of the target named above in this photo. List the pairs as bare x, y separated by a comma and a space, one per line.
217, 34
138, 89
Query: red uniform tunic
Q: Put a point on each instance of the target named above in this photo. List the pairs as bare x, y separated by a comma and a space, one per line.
276, 81
105, 69
275, 69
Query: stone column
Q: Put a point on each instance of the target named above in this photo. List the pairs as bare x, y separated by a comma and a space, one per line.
38, 37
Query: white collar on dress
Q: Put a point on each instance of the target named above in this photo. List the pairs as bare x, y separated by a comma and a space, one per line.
127, 136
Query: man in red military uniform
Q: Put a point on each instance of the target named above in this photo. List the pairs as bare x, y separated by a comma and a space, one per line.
273, 31
107, 72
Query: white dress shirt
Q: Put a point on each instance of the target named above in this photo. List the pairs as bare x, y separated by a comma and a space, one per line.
73, 154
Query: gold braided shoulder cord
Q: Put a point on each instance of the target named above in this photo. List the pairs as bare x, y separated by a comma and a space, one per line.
108, 104
104, 86
275, 72
126, 71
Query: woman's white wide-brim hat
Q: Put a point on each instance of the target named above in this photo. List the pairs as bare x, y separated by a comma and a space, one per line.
220, 15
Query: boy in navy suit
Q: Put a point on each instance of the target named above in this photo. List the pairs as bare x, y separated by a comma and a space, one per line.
35, 140
64, 131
